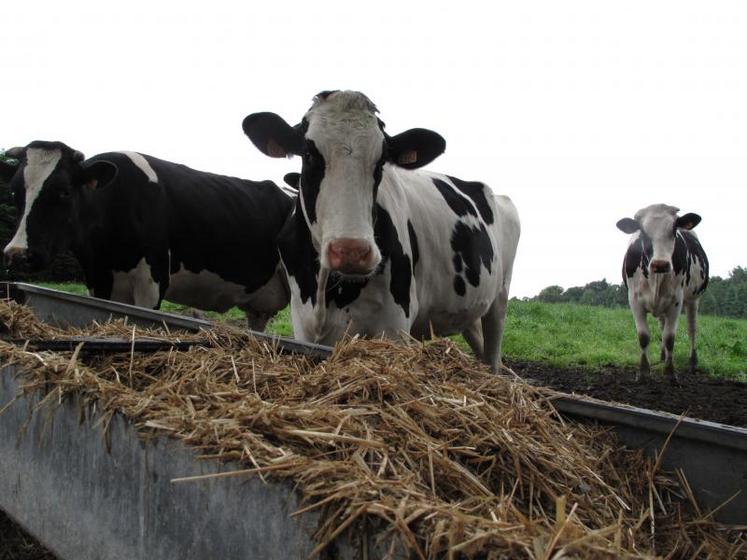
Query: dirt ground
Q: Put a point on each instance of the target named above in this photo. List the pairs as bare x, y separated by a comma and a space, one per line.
698, 396
15, 544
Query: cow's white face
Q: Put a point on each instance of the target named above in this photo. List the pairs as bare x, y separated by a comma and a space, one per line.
46, 190
658, 226
344, 149
342, 168
40, 164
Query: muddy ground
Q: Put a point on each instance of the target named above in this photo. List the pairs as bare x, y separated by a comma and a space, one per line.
15, 544
698, 396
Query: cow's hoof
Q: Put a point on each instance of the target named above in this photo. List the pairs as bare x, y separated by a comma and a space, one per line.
503, 369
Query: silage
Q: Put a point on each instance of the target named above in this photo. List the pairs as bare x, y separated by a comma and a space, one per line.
416, 438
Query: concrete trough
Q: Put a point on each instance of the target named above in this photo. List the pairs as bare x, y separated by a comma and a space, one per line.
82, 500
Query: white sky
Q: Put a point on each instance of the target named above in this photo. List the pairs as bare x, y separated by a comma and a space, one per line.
581, 111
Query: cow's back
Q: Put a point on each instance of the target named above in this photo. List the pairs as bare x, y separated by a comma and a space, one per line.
223, 224
215, 236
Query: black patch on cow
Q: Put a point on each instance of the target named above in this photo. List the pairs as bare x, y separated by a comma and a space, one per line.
643, 340
459, 286
472, 250
300, 259
326, 93
458, 263
680, 263
637, 256
458, 204
312, 174
378, 174
342, 292
413, 244
391, 249
476, 191
695, 252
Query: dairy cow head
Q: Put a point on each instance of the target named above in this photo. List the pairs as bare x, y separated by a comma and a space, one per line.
658, 225
344, 149
47, 185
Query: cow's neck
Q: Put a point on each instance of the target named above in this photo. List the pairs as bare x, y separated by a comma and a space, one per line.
97, 213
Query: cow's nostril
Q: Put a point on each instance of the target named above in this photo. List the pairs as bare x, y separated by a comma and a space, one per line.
349, 255
660, 266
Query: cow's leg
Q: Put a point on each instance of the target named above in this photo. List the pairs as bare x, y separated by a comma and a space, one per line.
641, 327
146, 290
667, 336
663, 353
99, 283
692, 312
492, 330
257, 321
473, 336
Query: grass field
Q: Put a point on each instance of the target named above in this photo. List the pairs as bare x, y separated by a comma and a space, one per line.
575, 335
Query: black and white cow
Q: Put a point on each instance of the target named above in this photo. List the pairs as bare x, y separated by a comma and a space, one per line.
145, 229
375, 248
665, 269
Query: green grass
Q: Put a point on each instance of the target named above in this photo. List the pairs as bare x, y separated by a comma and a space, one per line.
577, 335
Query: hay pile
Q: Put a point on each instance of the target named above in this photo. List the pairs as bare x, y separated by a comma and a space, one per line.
453, 460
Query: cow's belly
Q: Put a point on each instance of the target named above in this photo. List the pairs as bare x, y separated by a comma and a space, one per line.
135, 286
657, 295
448, 321
204, 290
445, 312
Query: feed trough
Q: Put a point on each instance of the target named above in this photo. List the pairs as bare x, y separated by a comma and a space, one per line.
85, 495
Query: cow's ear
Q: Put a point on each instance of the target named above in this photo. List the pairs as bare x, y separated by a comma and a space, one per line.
19, 152
628, 225
99, 174
272, 135
292, 179
415, 147
688, 221
7, 170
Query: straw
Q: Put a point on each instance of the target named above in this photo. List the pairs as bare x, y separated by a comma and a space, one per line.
417, 438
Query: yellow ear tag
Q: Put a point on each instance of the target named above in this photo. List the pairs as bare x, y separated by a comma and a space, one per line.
406, 158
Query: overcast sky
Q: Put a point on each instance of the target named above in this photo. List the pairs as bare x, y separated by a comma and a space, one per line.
582, 112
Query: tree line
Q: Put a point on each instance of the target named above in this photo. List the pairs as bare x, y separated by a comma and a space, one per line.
724, 296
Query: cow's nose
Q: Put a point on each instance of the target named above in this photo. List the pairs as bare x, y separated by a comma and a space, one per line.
14, 254
660, 266
350, 255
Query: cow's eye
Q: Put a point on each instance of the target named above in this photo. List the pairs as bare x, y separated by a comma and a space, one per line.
63, 193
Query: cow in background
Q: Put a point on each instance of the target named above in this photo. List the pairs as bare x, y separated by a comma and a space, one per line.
374, 247
145, 229
665, 269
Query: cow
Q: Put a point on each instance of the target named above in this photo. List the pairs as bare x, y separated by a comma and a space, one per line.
665, 269
376, 248
145, 229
